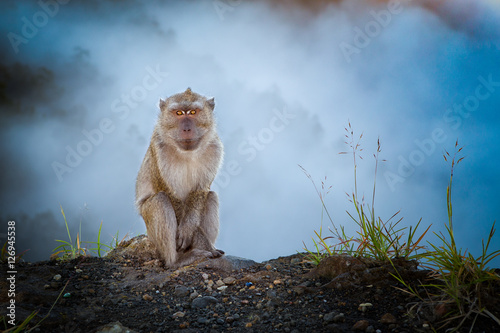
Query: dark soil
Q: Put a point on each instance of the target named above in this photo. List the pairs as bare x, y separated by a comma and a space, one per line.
130, 291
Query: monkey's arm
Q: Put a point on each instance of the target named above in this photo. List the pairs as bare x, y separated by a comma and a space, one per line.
195, 206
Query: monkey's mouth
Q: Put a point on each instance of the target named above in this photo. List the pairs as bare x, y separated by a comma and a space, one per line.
189, 144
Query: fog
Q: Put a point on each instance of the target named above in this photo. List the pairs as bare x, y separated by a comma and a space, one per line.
81, 81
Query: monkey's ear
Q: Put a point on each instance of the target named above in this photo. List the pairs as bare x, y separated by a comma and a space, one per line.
211, 103
163, 104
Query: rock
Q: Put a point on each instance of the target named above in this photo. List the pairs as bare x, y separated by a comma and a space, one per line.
272, 294
364, 306
181, 291
219, 283
193, 295
388, 319
360, 325
370, 329
329, 316
205, 276
57, 277
204, 301
340, 318
203, 320
178, 314
221, 288
229, 280
227, 263
147, 297
115, 327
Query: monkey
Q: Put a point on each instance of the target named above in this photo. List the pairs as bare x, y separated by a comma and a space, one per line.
173, 193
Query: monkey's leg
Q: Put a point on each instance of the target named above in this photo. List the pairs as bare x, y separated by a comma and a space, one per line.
209, 226
161, 225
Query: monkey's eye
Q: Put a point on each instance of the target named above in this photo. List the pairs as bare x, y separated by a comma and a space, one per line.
179, 113
191, 112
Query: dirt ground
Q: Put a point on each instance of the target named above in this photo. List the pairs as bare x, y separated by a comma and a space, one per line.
130, 290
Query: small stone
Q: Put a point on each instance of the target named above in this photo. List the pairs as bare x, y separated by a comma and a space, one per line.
181, 291
203, 320
340, 318
248, 325
205, 276
46, 286
329, 317
147, 297
295, 261
219, 283
222, 288
184, 325
364, 306
251, 288
370, 329
229, 280
277, 282
57, 277
269, 267
78, 271
360, 325
193, 295
178, 314
271, 294
201, 302
388, 319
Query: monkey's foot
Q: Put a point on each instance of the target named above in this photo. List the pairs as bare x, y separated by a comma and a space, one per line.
216, 253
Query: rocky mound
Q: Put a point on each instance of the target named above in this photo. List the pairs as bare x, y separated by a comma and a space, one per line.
130, 291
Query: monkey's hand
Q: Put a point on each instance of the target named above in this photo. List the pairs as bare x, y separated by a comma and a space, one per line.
184, 237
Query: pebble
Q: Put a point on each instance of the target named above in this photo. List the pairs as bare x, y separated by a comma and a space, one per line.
178, 314
193, 295
181, 291
360, 325
229, 280
147, 297
340, 318
329, 317
222, 288
370, 329
203, 320
78, 271
205, 276
219, 283
388, 319
277, 282
204, 301
295, 261
269, 267
57, 277
364, 306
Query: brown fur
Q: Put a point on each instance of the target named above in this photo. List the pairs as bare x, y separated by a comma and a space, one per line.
173, 185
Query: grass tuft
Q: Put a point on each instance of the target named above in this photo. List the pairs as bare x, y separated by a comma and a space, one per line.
375, 238
69, 250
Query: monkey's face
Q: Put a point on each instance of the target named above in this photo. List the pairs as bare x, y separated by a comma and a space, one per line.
188, 119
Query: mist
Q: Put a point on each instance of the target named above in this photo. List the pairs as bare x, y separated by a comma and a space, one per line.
81, 81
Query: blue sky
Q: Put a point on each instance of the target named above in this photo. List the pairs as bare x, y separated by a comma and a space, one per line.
81, 84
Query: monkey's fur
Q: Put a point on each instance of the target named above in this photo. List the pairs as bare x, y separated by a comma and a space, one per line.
173, 186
